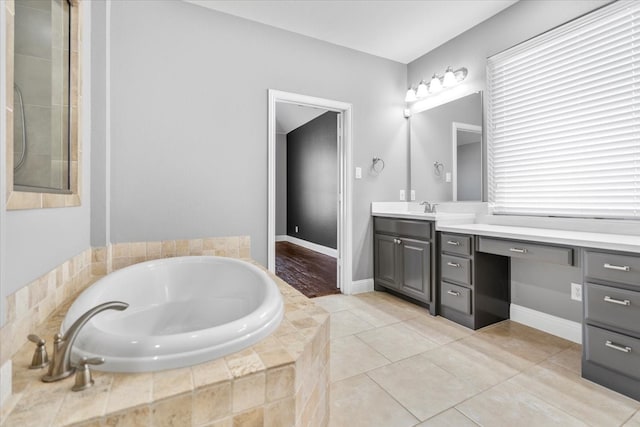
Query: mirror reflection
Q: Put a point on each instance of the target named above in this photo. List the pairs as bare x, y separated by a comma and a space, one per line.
446, 151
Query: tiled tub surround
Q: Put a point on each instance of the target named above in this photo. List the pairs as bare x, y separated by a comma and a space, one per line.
283, 380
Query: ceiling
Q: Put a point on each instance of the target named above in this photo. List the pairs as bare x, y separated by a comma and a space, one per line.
398, 30
292, 116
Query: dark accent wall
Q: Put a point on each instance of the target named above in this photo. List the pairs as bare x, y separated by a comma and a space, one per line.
312, 181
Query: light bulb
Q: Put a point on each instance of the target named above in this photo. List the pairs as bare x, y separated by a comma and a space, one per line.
449, 78
423, 90
435, 85
411, 95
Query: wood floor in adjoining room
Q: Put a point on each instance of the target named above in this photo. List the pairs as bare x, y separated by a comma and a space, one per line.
310, 272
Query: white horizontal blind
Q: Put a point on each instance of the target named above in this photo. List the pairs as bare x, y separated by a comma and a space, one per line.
563, 120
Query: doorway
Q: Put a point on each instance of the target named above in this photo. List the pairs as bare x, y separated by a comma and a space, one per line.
343, 196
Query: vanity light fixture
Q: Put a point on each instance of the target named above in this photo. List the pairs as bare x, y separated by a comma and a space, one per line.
450, 78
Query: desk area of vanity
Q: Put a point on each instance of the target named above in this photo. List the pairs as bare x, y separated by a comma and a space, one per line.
470, 268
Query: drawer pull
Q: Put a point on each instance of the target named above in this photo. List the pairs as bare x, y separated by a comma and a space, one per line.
617, 301
453, 264
518, 250
397, 241
617, 267
453, 242
625, 349
454, 293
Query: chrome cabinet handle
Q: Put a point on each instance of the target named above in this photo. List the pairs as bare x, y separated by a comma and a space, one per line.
518, 250
453, 264
453, 242
617, 267
454, 293
617, 301
625, 349
397, 241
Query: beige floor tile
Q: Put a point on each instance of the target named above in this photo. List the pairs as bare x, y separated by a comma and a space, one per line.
634, 421
509, 405
570, 358
397, 341
523, 341
449, 418
345, 323
497, 352
373, 315
338, 302
438, 329
422, 387
576, 396
359, 401
470, 365
350, 356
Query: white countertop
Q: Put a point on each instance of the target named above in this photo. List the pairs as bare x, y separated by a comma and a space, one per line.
615, 242
413, 211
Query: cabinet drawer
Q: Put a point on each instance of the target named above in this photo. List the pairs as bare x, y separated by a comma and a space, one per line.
619, 308
614, 351
455, 268
613, 267
455, 297
455, 244
526, 250
419, 229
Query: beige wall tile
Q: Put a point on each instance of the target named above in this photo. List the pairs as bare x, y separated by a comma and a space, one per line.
195, 247
244, 363
281, 382
280, 414
138, 417
138, 250
168, 248
248, 392
212, 403
90, 403
129, 390
182, 247
154, 250
210, 373
251, 418
120, 250
174, 412
171, 382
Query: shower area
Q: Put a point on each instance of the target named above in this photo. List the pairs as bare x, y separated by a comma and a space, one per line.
41, 96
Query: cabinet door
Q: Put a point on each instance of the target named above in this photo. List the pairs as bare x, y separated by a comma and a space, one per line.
386, 260
416, 269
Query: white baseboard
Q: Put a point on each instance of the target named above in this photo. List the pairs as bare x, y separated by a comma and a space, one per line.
309, 245
553, 325
361, 286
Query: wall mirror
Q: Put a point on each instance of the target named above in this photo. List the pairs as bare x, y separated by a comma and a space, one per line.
446, 149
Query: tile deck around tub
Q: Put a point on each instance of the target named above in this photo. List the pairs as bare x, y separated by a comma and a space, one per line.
283, 378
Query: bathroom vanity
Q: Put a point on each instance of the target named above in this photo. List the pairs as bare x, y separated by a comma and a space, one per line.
471, 279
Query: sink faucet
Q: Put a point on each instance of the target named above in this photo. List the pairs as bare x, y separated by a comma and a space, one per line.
429, 207
60, 366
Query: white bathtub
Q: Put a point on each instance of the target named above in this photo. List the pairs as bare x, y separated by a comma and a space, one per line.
182, 311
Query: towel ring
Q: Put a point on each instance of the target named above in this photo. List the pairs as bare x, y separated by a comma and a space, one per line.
376, 162
438, 168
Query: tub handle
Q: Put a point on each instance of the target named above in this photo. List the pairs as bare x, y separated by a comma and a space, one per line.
83, 373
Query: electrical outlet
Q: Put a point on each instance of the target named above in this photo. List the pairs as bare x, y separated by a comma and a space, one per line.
296, 228
358, 173
402, 196
576, 291
413, 195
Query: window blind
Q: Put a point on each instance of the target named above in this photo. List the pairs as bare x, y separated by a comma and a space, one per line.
563, 119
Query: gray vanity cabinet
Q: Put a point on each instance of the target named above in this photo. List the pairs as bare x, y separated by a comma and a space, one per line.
474, 286
403, 258
611, 326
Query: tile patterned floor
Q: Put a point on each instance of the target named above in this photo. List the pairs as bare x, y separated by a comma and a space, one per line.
394, 365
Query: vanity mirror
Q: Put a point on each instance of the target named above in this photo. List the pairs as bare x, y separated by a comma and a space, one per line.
447, 151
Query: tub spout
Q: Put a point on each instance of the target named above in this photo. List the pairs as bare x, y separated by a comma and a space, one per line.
60, 366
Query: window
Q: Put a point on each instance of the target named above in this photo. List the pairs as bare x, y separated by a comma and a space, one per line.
563, 120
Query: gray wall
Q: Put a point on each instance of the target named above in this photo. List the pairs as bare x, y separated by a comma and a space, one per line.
312, 181
469, 159
541, 287
189, 122
281, 184
35, 241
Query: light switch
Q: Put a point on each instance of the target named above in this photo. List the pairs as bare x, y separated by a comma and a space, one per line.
358, 173
447, 177
413, 195
402, 196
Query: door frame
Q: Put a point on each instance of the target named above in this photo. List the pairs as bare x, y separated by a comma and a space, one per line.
344, 197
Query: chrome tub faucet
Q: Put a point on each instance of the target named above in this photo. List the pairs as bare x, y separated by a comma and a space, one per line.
60, 366
429, 207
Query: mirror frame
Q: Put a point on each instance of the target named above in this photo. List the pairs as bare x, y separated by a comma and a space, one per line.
16, 200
